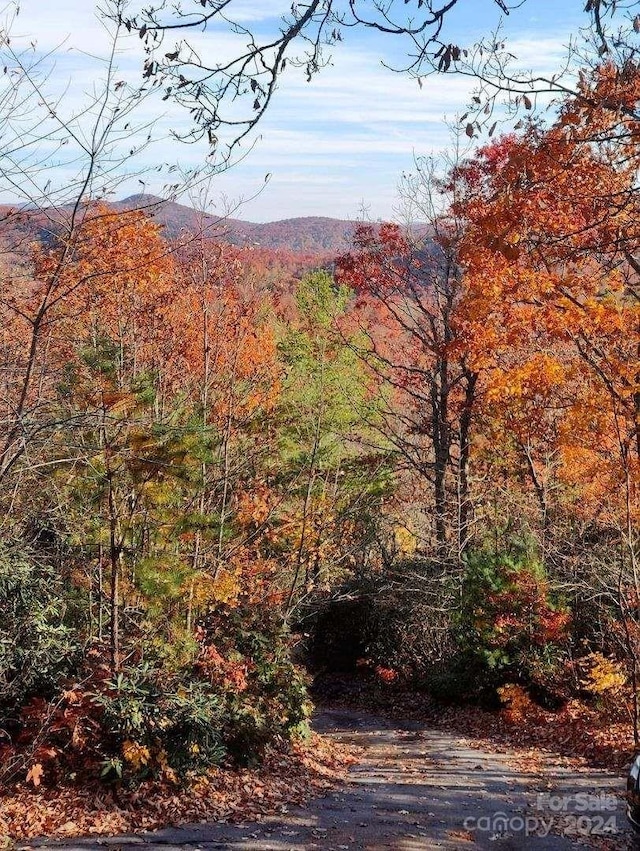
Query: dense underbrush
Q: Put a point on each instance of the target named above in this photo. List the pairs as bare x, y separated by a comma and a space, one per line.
222, 695
496, 634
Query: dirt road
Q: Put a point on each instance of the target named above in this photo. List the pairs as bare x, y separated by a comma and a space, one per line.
418, 788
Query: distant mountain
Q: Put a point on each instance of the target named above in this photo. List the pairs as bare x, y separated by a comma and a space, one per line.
309, 234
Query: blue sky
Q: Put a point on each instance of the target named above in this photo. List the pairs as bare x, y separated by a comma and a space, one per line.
334, 146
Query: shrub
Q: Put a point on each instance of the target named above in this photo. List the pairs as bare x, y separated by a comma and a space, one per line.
460, 635
38, 647
152, 722
238, 694
510, 623
231, 692
265, 694
605, 682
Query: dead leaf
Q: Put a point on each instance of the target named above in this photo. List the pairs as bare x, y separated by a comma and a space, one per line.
34, 775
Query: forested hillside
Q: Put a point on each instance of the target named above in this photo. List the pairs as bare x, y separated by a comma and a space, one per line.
310, 234
225, 468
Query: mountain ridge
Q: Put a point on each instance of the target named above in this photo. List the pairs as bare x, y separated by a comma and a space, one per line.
313, 236
322, 234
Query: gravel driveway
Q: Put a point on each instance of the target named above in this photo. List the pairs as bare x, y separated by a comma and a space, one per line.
415, 788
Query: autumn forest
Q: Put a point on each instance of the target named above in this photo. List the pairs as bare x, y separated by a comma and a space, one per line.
412, 462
